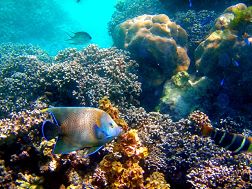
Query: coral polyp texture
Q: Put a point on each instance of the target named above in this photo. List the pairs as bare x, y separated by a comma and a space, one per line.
159, 43
125, 9
73, 78
177, 147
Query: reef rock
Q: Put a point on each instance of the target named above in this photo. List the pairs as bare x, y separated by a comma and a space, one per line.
226, 46
158, 43
225, 56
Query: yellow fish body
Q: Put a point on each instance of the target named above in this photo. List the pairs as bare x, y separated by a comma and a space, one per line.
79, 128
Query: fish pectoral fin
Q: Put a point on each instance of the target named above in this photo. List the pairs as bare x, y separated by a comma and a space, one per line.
64, 146
85, 152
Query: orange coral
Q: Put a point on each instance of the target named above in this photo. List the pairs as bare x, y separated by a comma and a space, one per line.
156, 180
121, 168
130, 146
106, 105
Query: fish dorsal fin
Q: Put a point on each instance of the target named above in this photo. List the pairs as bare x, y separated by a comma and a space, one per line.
64, 146
85, 152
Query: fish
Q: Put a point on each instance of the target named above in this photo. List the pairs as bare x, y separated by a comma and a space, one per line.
79, 38
79, 128
190, 3
206, 21
222, 82
236, 143
78, 1
246, 39
236, 63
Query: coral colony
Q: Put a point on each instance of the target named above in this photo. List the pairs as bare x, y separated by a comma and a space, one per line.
155, 84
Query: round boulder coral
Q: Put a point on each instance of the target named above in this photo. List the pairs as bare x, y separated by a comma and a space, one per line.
157, 42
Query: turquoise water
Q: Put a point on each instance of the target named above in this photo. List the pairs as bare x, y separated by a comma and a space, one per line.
47, 23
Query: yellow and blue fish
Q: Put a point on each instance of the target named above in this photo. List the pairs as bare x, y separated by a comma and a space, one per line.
234, 142
79, 128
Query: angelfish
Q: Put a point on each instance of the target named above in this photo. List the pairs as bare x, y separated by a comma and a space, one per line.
76, 128
234, 142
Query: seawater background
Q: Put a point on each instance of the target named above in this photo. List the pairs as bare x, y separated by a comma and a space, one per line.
46, 22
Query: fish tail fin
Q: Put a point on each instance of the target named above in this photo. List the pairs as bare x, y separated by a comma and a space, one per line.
50, 130
250, 145
69, 35
44, 110
206, 130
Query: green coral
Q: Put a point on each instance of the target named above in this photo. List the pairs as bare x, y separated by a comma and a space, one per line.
241, 19
181, 79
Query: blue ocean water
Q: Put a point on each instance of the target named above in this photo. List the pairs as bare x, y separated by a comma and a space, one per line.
47, 23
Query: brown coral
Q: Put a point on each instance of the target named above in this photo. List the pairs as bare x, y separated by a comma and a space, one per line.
200, 119
129, 145
157, 42
107, 106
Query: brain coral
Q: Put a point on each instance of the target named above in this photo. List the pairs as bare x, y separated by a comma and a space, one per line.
157, 41
127, 9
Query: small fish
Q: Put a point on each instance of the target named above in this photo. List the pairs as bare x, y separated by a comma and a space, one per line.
79, 38
245, 37
206, 21
222, 82
236, 63
234, 142
78, 1
190, 3
78, 128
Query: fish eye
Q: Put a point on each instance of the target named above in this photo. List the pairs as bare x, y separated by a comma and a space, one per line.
111, 124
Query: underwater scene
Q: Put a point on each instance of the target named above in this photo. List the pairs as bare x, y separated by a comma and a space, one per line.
126, 94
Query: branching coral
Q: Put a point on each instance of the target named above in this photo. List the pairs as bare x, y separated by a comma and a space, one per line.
175, 147
225, 172
75, 78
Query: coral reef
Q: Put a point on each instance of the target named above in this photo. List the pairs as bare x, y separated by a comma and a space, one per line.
121, 168
157, 41
183, 93
74, 78
177, 5
225, 172
175, 147
127, 9
197, 25
225, 56
159, 45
